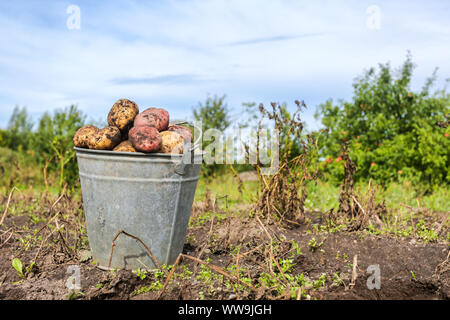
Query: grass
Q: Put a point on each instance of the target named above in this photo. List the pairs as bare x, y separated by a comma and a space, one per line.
226, 184
324, 196
409, 213
282, 277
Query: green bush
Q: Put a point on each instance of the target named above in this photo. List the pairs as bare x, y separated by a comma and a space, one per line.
25, 150
53, 142
391, 130
19, 168
213, 114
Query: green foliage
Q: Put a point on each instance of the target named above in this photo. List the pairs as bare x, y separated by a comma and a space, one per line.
289, 125
392, 130
25, 151
320, 282
73, 295
425, 234
297, 250
20, 128
313, 244
213, 114
53, 139
140, 273
17, 265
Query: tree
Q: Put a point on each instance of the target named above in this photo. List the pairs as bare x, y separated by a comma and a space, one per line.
392, 130
213, 114
20, 128
53, 141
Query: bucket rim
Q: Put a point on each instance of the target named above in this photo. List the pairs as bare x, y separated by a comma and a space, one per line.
133, 154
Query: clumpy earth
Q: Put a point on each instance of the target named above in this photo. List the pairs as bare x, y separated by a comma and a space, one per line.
274, 261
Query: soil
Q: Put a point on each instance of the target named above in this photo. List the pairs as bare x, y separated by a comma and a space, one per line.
408, 269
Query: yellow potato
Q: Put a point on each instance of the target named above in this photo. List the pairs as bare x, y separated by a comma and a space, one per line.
81, 137
105, 139
122, 114
125, 146
172, 142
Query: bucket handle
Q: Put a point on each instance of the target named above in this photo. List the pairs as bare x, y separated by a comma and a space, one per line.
196, 143
180, 167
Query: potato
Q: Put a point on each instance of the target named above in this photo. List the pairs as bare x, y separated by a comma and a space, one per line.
122, 114
145, 139
171, 142
185, 132
81, 137
153, 117
105, 139
125, 146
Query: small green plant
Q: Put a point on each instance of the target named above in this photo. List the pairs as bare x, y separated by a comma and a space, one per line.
85, 256
35, 219
313, 244
337, 279
99, 285
320, 282
140, 273
286, 265
235, 250
141, 290
205, 274
425, 234
297, 250
205, 217
156, 285
29, 268
17, 264
185, 272
112, 271
159, 274
74, 295
413, 275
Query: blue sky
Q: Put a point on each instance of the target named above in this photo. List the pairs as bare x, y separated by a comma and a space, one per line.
173, 54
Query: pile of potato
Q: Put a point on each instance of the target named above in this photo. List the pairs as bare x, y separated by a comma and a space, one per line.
131, 131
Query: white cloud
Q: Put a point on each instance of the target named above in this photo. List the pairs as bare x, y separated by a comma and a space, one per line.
283, 50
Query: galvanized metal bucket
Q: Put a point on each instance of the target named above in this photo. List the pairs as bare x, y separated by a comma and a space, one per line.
149, 196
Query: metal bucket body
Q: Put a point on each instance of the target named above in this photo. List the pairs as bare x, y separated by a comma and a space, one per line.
149, 196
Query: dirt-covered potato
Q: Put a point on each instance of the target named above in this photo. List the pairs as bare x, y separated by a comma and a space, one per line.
105, 139
145, 139
185, 132
125, 146
153, 117
122, 114
171, 142
81, 137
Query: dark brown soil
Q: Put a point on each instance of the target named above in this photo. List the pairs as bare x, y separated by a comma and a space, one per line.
408, 269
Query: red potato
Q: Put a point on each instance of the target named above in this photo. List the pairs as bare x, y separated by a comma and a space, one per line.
153, 117
185, 132
145, 139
